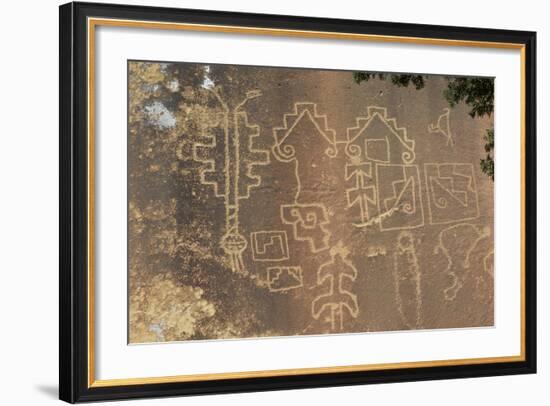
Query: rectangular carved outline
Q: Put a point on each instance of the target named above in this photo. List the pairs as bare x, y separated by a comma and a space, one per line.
416, 166
253, 242
429, 192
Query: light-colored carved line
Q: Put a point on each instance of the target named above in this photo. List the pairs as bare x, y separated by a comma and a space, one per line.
428, 169
319, 223
255, 133
362, 198
313, 119
452, 290
233, 242
485, 263
283, 244
395, 208
375, 251
377, 219
369, 157
399, 133
397, 196
336, 308
458, 196
409, 252
295, 271
300, 109
297, 114
446, 130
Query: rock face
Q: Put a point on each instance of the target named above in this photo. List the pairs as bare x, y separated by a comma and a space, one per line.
276, 201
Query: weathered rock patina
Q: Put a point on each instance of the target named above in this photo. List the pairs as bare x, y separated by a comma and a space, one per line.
277, 201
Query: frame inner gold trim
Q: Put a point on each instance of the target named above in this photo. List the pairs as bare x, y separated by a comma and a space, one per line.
94, 22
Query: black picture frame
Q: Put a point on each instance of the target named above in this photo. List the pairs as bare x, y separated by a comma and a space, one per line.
74, 385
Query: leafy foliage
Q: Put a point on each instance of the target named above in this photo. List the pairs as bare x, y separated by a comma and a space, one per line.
398, 80
488, 164
477, 93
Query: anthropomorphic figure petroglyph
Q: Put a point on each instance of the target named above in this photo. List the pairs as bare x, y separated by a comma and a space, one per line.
457, 243
408, 281
443, 127
336, 278
362, 193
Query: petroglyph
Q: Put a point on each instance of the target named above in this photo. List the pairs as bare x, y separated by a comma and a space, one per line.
309, 223
378, 218
443, 127
376, 250
489, 263
457, 243
399, 190
336, 277
269, 245
407, 279
386, 190
377, 138
298, 142
452, 192
304, 128
486, 279
231, 172
284, 278
363, 193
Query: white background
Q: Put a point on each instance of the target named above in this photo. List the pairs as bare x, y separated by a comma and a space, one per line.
29, 221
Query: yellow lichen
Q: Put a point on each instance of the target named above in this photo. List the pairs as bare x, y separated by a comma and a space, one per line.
166, 311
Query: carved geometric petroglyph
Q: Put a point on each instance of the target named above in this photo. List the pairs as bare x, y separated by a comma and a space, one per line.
399, 192
309, 223
229, 159
457, 243
269, 246
376, 250
485, 283
303, 131
407, 280
443, 127
387, 194
336, 277
304, 115
305, 137
489, 263
284, 278
363, 193
378, 218
452, 192
377, 138
485, 278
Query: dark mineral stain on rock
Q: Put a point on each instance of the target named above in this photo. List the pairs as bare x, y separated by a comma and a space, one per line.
276, 202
